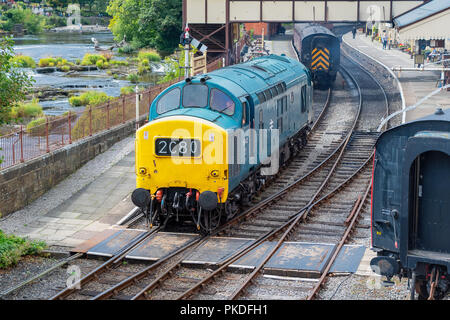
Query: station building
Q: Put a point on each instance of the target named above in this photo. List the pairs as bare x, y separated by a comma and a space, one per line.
425, 26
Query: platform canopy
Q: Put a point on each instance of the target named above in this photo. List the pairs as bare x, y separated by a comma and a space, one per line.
223, 11
429, 21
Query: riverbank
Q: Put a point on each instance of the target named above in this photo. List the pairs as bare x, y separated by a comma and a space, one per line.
55, 84
81, 29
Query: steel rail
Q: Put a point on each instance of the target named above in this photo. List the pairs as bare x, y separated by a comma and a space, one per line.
196, 243
386, 100
256, 271
302, 217
290, 224
43, 273
269, 234
114, 260
337, 250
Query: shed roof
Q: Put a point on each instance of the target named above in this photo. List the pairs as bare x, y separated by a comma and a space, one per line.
421, 12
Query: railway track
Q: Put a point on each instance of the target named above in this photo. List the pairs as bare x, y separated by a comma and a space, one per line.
88, 289
176, 277
318, 174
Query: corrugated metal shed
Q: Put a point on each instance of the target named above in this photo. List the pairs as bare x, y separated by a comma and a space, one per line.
421, 12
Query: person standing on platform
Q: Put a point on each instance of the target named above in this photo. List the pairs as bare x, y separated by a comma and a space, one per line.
384, 39
354, 32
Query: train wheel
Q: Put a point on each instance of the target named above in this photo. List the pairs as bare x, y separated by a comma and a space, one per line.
210, 220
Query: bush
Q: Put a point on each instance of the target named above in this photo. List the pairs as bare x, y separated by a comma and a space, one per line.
90, 59
119, 62
127, 49
149, 55
65, 68
36, 127
26, 110
23, 61
129, 90
133, 77
12, 248
100, 64
51, 62
91, 98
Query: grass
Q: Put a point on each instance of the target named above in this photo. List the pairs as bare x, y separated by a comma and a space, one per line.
23, 61
91, 98
12, 248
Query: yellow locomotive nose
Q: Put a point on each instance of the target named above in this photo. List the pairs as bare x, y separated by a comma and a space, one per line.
182, 152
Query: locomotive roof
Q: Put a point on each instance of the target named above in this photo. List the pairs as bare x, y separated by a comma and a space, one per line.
410, 128
256, 75
307, 29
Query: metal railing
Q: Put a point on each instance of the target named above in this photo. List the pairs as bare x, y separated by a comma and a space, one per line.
25, 143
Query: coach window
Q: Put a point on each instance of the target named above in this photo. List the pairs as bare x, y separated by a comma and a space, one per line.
170, 101
221, 102
195, 95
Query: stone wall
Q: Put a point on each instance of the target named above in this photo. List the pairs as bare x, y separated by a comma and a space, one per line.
25, 182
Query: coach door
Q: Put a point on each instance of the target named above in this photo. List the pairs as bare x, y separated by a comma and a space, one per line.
430, 197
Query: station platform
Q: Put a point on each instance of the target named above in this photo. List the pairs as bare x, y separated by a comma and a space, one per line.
415, 84
299, 259
86, 214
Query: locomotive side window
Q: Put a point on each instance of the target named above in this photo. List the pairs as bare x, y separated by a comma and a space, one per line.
221, 102
303, 98
261, 123
170, 101
195, 95
261, 97
268, 94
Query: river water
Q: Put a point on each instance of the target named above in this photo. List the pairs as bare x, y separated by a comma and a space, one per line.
70, 46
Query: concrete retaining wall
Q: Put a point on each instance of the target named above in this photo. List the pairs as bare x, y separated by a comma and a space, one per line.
25, 182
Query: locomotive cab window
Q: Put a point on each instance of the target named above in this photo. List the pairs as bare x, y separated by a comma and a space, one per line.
221, 102
170, 101
195, 96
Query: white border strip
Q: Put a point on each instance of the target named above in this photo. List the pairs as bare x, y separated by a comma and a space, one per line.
127, 216
390, 71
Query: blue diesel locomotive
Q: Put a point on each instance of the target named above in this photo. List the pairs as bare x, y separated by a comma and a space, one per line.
213, 140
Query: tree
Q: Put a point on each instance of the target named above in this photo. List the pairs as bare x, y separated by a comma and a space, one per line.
147, 23
14, 83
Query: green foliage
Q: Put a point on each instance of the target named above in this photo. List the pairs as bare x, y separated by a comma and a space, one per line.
173, 65
119, 62
90, 59
53, 62
36, 127
147, 23
26, 110
33, 23
133, 77
14, 83
129, 90
65, 68
127, 49
12, 248
148, 55
23, 61
91, 98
